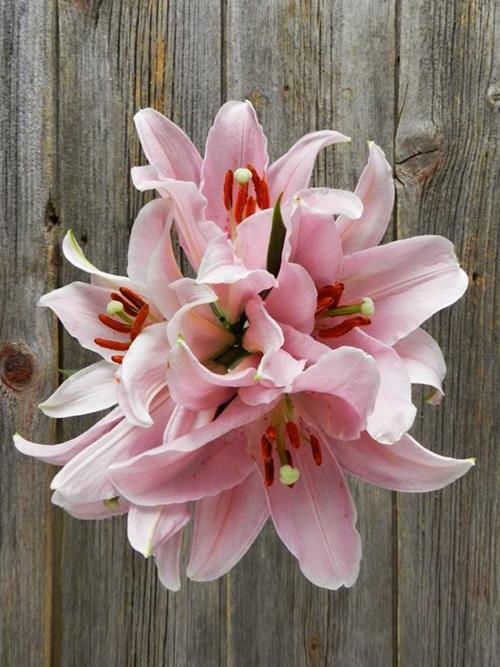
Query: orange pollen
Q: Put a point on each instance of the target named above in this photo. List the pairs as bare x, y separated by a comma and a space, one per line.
289, 459
265, 449
250, 207
316, 450
139, 321
263, 196
117, 358
114, 324
269, 472
111, 344
330, 295
134, 298
127, 307
228, 190
345, 327
293, 434
271, 432
241, 200
256, 180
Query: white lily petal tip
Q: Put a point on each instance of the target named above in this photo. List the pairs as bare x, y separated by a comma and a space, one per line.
472, 460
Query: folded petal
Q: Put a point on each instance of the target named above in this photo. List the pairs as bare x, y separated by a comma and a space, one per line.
225, 526
293, 170
91, 511
294, 301
316, 519
143, 373
89, 390
149, 527
338, 392
169, 476
235, 140
167, 559
167, 148
85, 477
408, 281
404, 466
65, 451
194, 386
78, 306
424, 362
376, 190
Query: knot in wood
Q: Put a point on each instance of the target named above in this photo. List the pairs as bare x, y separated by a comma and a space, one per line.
16, 366
419, 154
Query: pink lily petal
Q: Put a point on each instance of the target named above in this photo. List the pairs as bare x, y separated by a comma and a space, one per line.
194, 386
225, 527
168, 476
85, 477
302, 346
74, 254
394, 412
184, 420
167, 148
376, 190
143, 373
316, 519
235, 140
252, 239
424, 362
404, 466
294, 301
149, 527
162, 271
328, 201
293, 170
338, 392
147, 233
89, 390
315, 244
408, 281
78, 305
62, 453
91, 511
167, 559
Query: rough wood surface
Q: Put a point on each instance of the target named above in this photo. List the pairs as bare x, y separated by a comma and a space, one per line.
419, 78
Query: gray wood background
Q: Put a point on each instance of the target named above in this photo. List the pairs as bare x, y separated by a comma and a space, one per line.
417, 76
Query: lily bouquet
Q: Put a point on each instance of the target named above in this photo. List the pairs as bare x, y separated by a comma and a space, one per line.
250, 390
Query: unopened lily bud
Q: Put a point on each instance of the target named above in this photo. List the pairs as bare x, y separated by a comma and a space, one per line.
114, 307
289, 475
242, 175
367, 306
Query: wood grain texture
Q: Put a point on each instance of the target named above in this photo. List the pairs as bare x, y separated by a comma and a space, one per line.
417, 77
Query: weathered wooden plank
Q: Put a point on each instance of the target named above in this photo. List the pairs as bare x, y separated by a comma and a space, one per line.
307, 66
447, 150
28, 341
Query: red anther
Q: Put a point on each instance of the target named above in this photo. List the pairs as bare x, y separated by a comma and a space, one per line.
111, 344
228, 190
323, 304
130, 310
333, 291
269, 472
266, 449
139, 321
250, 207
345, 327
271, 432
316, 450
255, 177
241, 200
113, 324
293, 434
134, 298
263, 198
117, 358
289, 459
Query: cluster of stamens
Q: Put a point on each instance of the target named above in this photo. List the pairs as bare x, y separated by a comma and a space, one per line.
273, 438
245, 203
133, 312
328, 306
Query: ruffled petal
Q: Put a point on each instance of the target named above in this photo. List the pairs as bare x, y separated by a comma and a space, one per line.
143, 373
167, 148
62, 453
235, 140
404, 466
225, 526
89, 390
293, 170
376, 190
424, 362
408, 280
316, 519
149, 527
169, 476
294, 301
